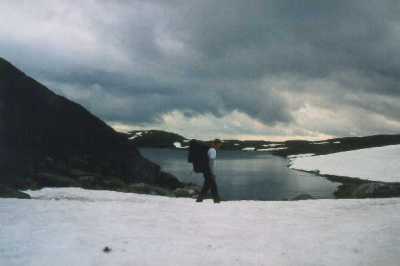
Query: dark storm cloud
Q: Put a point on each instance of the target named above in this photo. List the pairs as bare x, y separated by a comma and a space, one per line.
139, 59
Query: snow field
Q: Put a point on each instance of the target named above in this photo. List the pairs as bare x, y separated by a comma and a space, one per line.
153, 230
375, 164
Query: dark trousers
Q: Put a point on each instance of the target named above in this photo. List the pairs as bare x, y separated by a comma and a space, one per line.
209, 183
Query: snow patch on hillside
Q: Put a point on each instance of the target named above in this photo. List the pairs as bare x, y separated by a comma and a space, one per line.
272, 145
300, 155
179, 145
273, 149
248, 149
376, 164
137, 134
71, 226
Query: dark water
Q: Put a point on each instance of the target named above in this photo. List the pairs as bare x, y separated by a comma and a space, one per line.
246, 175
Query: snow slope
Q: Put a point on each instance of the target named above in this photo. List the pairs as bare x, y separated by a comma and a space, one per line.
376, 164
153, 230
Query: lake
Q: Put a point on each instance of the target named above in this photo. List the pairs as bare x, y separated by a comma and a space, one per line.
246, 175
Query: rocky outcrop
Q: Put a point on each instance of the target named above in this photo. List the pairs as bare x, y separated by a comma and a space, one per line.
376, 190
7, 192
46, 139
186, 191
358, 188
302, 197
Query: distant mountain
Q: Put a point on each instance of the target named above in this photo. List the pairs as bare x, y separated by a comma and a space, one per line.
337, 144
46, 138
157, 139
163, 139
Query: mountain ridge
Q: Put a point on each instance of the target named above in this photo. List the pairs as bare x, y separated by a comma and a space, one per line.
45, 136
165, 139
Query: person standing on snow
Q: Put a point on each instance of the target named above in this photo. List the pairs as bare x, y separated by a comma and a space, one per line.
209, 174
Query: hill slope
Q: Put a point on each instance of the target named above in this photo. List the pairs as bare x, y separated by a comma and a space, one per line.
44, 136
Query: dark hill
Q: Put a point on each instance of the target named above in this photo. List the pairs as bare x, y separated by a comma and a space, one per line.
43, 134
164, 139
338, 144
155, 138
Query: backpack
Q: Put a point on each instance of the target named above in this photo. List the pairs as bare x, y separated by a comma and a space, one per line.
198, 156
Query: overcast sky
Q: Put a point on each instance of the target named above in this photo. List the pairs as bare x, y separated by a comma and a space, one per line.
263, 69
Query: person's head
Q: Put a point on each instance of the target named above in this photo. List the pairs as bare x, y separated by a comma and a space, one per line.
217, 143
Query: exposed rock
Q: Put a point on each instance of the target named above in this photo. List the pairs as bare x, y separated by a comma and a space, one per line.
88, 181
367, 189
143, 188
114, 183
169, 181
7, 192
302, 197
54, 180
106, 249
186, 192
77, 173
376, 190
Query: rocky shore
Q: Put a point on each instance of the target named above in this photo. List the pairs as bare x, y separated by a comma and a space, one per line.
93, 182
352, 188
355, 188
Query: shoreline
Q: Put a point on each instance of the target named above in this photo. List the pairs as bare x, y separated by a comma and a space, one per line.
356, 188
348, 187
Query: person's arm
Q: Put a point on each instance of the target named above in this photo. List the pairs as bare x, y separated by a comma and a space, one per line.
212, 156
